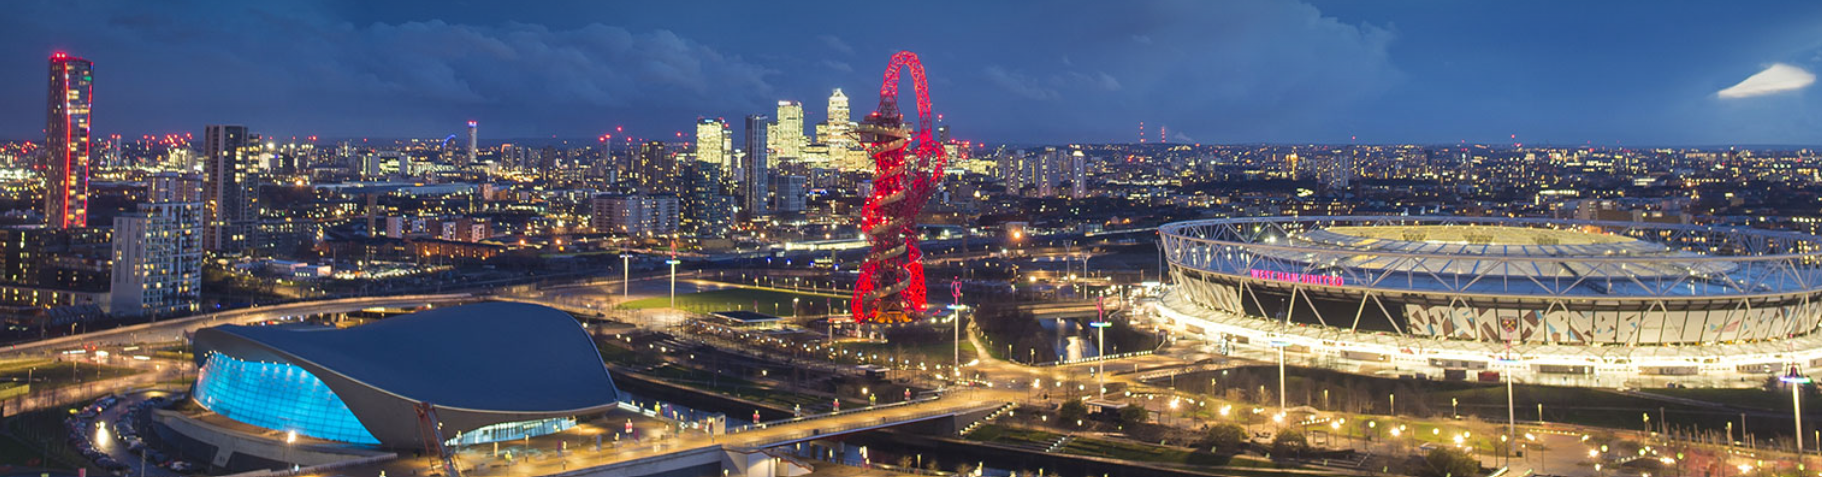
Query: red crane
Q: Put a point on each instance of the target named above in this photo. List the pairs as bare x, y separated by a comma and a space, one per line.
908, 164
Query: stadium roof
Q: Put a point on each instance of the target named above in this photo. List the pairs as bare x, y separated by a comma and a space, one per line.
489, 356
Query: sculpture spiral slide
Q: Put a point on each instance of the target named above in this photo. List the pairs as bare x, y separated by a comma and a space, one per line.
908, 164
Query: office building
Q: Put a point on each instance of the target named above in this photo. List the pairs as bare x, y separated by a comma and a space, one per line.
157, 268
790, 191
66, 143
714, 145
786, 138
230, 188
754, 187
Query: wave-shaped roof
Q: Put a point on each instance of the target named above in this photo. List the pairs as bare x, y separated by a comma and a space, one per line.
490, 357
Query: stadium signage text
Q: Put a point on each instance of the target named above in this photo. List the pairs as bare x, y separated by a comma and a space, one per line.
1278, 276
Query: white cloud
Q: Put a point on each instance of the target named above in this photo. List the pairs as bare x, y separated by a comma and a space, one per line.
1777, 78
835, 43
1020, 84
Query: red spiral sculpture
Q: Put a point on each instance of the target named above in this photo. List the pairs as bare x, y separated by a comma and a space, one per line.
907, 163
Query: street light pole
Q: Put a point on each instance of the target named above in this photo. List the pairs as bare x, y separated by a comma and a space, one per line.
673, 263
955, 314
1100, 329
1796, 380
626, 276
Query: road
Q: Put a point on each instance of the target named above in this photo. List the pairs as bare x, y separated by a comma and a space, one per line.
175, 329
109, 441
574, 449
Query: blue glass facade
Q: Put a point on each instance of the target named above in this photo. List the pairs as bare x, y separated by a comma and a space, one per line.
277, 396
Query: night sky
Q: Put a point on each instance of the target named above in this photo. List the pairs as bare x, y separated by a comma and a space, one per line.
1568, 72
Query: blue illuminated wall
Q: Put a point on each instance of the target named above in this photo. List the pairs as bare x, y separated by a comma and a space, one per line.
277, 396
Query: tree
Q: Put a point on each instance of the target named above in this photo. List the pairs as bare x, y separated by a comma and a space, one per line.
1289, 443
1072, 411
1134, 415
1226, 437
1449, 462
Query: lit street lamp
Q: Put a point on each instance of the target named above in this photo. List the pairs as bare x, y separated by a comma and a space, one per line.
1796, 380
1100, 330
1280, 344
673, 262
626, 276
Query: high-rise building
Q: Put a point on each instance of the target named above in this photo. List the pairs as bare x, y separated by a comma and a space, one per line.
473, 148
838, 109
837, 133
66, 143
656, 168
707, 211
786, 137
644, 215
157, 267
1044, 171
755, 184
230, 188
1078, 174
714, 145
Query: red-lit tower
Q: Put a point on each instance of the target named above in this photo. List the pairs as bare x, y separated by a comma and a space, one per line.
66, 143
907, 163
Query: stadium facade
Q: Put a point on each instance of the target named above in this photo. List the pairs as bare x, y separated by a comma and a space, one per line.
492, 372
1607, 304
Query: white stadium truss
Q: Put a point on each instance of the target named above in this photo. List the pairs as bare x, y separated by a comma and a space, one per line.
1564, 301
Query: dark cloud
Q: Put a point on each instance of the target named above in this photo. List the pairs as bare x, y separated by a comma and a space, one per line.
1243, 70
239, 61
1070, 70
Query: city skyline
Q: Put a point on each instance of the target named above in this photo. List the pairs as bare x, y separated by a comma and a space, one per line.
1326, 72
1072, 236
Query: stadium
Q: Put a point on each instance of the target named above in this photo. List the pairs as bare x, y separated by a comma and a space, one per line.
1566, 302
490, 371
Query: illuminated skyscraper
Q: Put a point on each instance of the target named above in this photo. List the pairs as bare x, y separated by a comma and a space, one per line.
713, 144
66, 143
754, 185
838, 133
230, 188
787, 133
472, 149
839, 122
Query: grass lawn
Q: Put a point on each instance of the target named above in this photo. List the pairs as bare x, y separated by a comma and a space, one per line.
1753, 398
47, 374
744, 299
1140, 452
1014, 436
934, 353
